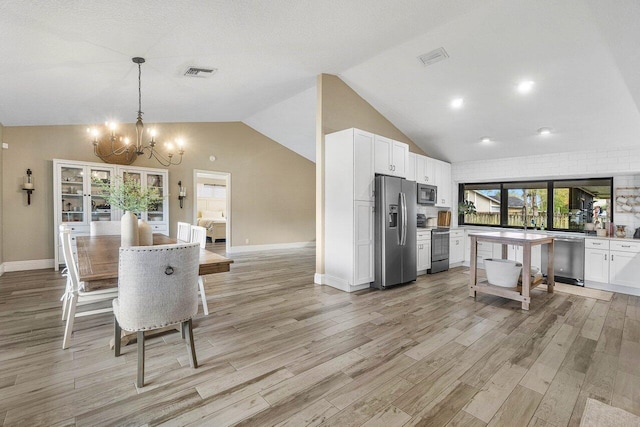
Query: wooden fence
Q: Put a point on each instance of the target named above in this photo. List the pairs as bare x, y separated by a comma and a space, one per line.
486, 218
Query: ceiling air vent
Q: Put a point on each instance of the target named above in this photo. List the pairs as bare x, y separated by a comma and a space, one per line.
200, 72
434, 56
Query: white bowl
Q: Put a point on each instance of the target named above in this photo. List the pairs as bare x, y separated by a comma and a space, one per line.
502, 272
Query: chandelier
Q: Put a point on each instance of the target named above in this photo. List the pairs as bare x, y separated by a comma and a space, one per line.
115, 148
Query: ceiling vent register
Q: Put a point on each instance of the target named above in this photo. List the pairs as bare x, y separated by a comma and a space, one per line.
200, 72
434, 56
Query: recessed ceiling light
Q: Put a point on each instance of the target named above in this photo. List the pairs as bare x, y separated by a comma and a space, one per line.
544, 131
457, 103
525, 86
485, 140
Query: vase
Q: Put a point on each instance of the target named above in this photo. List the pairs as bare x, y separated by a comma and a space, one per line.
145, 233
129, 230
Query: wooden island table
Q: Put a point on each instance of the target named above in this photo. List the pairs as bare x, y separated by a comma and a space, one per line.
98, 258
526, 240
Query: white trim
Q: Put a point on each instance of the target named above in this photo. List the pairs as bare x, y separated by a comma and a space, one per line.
228, 213
32, 264
255, 248
343, 285
318, 279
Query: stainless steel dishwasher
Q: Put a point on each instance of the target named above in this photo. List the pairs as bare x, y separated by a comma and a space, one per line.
568, 259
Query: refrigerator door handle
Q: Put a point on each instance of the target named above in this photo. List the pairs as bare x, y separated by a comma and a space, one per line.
403, 199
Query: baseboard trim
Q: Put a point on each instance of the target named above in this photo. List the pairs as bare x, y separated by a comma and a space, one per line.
318, 279
343, 285
612, 288
32, 264
276, 246
1, 268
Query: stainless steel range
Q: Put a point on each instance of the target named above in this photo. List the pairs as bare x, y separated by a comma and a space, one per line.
439, 250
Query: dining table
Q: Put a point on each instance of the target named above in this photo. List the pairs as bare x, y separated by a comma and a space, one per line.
98, 258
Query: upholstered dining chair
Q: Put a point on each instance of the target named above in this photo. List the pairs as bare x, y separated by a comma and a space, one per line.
157, 287
184, 232
199, 235
75, 294
105, 228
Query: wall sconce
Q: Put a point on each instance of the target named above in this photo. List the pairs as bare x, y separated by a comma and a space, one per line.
182, 194
27, 185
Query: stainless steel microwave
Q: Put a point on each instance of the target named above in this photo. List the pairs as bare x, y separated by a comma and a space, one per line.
427, 194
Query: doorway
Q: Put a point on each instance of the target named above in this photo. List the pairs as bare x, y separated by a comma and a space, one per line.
212, 204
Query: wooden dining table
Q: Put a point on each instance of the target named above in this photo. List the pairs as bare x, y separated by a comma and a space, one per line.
98, 260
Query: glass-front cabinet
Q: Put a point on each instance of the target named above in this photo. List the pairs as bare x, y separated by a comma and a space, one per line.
78, 199
156, 216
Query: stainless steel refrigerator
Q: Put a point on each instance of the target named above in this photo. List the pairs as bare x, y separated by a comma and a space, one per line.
395, 231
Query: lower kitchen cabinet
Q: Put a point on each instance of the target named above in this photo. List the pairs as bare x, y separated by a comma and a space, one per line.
423, 251
616, 262
456, 247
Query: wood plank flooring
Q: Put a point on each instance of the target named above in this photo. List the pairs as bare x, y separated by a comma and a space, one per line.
278, 350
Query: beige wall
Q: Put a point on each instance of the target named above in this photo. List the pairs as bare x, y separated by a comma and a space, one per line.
340, 107
1, 140
272, 187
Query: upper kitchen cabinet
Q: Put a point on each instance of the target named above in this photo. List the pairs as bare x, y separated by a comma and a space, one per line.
411, 167
391, 157
425, 170
443, 182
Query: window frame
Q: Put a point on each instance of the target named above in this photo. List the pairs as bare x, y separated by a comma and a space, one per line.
504, 201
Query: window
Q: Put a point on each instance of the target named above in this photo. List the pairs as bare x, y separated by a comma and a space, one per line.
486, 199
555, 204
526, 202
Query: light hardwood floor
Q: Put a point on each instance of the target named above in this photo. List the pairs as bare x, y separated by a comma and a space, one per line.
278, 350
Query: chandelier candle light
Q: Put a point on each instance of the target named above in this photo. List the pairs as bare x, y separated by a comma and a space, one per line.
120, 149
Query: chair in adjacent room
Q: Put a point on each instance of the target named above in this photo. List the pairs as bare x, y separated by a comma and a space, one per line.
105, 228
199, 235
184, 232
74, 293
157, 287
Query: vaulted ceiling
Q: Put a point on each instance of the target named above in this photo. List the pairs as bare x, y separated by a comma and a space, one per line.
69, 62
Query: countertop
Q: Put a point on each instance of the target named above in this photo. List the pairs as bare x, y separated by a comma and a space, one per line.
550, 233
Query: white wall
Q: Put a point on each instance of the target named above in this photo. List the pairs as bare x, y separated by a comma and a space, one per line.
622, 164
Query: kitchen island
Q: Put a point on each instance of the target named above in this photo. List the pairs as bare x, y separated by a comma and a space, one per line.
526, 240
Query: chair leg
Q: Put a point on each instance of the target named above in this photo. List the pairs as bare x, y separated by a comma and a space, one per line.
65, 306
191, 348
140, 381
117, 336
205, 308
71, 315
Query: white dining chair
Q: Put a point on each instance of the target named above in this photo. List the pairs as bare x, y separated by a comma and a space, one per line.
74, 293
199, 235
184, 232
105, 228
163, 293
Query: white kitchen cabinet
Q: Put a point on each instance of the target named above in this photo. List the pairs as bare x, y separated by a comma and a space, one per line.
624, 264
515, 253
425, 170
596, 265
423, 242
391, 157
411, 167
456, 247
443, 182
349, 209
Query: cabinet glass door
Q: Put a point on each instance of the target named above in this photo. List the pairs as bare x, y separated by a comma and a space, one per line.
100, 208
72, 194
156, 212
